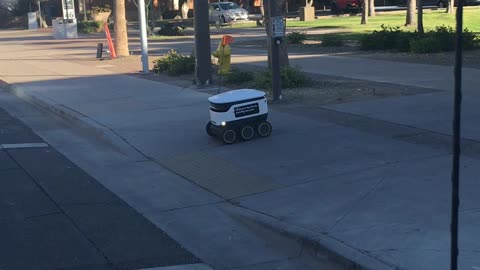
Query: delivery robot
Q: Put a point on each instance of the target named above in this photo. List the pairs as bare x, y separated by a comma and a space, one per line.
238, 114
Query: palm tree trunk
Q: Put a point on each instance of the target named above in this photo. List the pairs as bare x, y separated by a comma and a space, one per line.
121, 36
450, 6
371, 8
420, 17
365, 12
411, 8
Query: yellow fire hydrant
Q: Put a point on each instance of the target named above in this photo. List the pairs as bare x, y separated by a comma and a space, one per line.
224, 55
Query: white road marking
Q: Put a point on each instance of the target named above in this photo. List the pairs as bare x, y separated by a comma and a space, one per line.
22, 145
104, 66
197, 266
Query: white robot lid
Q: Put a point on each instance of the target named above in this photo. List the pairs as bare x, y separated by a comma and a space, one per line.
236, 95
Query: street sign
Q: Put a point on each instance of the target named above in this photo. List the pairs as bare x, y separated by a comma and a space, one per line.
277, 27
68, 9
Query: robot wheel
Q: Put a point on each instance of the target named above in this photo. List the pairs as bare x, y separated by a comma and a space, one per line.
229, 136
264, 129
247, 132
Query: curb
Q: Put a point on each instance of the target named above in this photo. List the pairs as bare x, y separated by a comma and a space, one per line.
319, 245
79, 121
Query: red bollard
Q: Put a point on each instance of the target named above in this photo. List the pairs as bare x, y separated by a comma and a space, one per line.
109, 41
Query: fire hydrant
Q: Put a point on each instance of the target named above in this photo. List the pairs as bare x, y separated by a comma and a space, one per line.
224, 54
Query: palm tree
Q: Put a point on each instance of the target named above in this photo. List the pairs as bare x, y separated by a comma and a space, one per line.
420, 17
450, 6
121, 36
371, 8
411, 7
364, 12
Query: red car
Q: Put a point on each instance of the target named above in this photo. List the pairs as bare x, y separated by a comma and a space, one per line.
346, 6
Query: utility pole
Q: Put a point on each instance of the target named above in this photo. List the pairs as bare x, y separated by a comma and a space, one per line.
456, 138
277, 30
143, 35
203, 65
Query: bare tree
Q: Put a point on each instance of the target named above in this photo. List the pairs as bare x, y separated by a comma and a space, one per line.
277, 8
420, 17
411, 8
450, 6
364, 12
371, 8
121, 36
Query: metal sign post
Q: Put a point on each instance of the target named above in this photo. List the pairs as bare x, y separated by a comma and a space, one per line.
277, 30
143, 35
457, 110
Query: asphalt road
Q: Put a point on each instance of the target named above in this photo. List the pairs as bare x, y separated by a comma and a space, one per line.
53, 215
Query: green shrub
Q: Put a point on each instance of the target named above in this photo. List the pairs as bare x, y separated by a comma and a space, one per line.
428, 44
88, 27
296, 37
332, 40
238, 77
402, 42
170, 29
263, 80
291, 78
385, 39
469, 40
443, 38
101, 9
175, 64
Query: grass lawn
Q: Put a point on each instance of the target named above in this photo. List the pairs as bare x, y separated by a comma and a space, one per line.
431, 19
352, 26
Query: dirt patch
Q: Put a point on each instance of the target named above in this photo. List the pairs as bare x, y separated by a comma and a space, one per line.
331, 91
323, 89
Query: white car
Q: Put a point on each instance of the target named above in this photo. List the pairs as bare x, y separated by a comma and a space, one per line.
224, 12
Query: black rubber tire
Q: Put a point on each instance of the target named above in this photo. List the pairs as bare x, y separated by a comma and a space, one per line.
441, 4
224, 21
247, 133
264, 129
229, 136
208, 129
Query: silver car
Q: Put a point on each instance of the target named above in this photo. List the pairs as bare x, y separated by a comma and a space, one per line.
225, 12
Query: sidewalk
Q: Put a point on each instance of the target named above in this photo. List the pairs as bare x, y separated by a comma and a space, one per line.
379, 201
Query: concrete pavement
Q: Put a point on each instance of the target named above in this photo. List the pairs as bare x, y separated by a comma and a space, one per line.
374, 199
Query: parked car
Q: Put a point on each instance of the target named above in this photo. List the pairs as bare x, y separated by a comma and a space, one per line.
338, 6
443, 3
472, 2
226, 12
